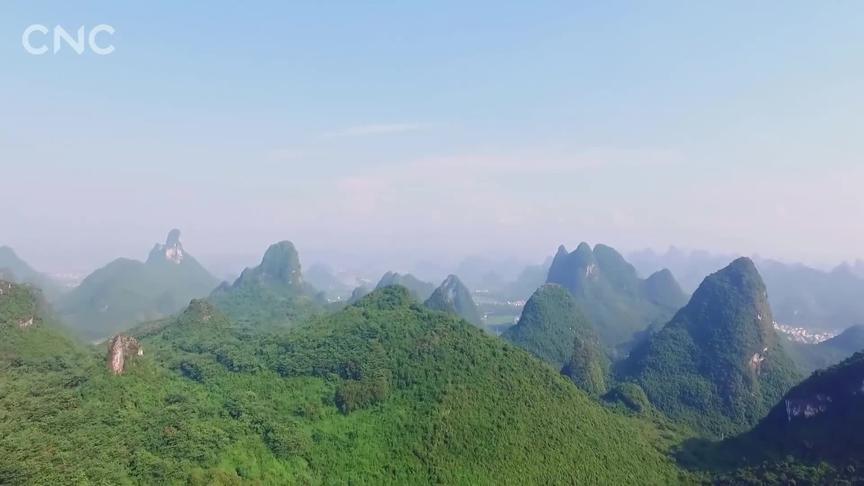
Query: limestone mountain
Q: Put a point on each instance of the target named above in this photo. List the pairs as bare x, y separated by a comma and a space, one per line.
274, 292
550, 325
718, 365
618, 303
126, 292
811, 357
419, 289
453, 297
14, 269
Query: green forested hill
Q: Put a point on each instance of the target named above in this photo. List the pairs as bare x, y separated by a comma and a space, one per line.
718, 366
384, 391
126, 292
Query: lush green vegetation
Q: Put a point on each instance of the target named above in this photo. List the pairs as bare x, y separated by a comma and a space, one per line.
126, 292
718, 366
588, 367
454, 298
812, 436
381, 392
621, 306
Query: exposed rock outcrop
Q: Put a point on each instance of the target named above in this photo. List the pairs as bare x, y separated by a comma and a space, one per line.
121, 348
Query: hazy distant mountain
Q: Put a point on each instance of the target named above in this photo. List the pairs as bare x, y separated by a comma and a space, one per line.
14, 269
811, 357
325, 280
126, 292
718, 365
528, 280
419, 289
480, 272
273, 293
453, 297
608, 290
358, 293
688, 267
814, 299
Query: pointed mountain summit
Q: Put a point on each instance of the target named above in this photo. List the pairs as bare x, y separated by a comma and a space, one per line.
613, 297
453, 297
171, 251
127, 292
273, 293
419, 289
718, 365
280, 266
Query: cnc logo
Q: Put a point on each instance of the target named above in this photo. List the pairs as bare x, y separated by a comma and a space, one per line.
38, 39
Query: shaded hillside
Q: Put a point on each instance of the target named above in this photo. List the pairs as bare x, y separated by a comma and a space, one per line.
811, 436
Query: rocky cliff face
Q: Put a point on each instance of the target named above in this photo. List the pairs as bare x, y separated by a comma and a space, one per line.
120, 350
171, 251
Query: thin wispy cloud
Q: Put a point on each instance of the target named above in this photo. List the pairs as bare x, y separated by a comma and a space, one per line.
378, 129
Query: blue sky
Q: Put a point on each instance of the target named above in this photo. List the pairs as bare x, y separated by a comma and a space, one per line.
404, 130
